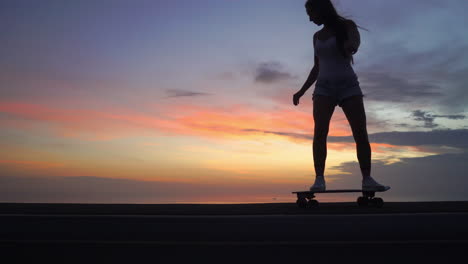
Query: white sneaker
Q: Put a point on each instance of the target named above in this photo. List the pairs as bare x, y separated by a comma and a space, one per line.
369, 184
319, 184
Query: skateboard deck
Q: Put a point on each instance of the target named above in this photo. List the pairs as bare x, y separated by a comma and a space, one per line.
305, 198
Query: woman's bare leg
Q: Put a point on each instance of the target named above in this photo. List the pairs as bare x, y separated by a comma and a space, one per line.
353, 107
323, 110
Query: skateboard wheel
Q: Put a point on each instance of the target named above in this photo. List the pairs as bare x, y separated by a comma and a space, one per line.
362, 201
377, 202
302, 202
312, 204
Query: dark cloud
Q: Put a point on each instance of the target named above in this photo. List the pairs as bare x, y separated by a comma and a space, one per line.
448, 137
181, 93
428, 118
437, 76
431, 178
286, 134
270, 72
403, 125
421, 61
451, 116
384, 86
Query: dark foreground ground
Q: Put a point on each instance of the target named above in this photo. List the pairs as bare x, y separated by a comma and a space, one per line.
430, 232
230, 209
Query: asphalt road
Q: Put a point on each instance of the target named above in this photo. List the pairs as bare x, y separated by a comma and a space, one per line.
388, 237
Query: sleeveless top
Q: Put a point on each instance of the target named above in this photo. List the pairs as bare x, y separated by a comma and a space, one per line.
333, 66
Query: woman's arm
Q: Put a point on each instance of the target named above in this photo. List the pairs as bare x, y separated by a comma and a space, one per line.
310, 80
313, 73
354, 39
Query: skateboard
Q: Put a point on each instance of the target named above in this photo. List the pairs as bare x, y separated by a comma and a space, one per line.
305, 198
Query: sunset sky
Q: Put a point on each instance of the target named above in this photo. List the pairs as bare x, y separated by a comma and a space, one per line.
182, 101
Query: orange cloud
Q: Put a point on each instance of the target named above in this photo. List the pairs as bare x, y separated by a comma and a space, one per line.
194, 120
32, 164
383, 147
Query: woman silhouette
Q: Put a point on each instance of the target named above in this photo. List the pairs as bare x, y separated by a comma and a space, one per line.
337, 84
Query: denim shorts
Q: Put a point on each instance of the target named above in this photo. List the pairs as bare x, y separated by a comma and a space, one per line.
338, 89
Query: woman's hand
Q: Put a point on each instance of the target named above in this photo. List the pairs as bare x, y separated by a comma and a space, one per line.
296, 97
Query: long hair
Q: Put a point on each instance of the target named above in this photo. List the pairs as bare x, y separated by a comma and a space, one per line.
332, 19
